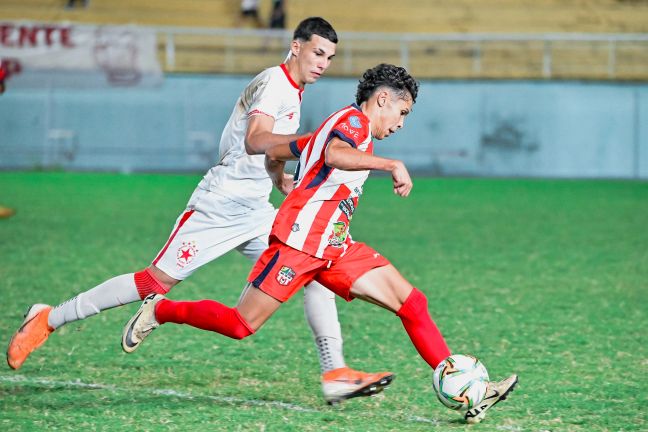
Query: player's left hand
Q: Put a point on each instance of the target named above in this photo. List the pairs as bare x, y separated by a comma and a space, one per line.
402, 181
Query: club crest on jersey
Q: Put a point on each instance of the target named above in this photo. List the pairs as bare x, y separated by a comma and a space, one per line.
186, 253
285, 275
355, 121
339, 234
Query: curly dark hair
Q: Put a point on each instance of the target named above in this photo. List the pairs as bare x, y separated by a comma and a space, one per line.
386, 75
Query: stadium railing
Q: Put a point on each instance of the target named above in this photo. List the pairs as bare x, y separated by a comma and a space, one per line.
620, 56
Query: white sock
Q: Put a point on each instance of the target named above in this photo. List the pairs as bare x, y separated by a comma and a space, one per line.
321, 313
117, 291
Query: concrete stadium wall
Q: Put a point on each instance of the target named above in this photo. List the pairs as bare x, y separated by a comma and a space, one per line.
481, 128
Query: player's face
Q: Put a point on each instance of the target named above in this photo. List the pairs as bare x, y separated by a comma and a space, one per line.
391, 115
313, 58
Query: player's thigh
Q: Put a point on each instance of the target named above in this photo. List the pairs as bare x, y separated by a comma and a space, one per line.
205, 232
340, 276
383, 286
281, 271
253, 248
256, 307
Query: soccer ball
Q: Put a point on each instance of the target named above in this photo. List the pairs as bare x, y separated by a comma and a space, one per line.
460, 381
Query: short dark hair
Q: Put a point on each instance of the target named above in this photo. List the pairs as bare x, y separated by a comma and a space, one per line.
386, 75
315, 26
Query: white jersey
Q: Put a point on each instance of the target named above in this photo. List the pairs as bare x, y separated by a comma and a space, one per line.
242, 177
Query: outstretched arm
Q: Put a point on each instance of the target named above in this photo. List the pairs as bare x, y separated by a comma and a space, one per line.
341, 155
259, 136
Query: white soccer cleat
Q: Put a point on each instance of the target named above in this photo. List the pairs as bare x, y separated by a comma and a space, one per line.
141, 324
346, 383
497, 391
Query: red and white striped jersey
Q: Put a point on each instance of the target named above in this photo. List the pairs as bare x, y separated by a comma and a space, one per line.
315, 216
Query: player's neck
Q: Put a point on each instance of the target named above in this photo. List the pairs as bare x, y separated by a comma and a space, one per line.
369, 110
293, 70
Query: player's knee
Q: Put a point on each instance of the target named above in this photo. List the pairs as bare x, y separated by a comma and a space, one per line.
415, 304
147, 283
243, 329
240, 334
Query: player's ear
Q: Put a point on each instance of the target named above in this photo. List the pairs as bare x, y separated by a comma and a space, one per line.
295, 47
381, 98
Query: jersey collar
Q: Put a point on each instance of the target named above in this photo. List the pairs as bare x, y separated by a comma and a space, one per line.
291, 81
294, 84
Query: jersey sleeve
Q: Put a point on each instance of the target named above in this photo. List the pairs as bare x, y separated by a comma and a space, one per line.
268, 97
298, 146
352, 129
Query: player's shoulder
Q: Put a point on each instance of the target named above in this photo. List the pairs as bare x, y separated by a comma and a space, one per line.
274, 74
354, 116
352, 125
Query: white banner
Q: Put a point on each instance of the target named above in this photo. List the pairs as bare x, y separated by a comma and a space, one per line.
69, 55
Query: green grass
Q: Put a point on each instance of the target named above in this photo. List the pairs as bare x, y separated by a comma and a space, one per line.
545, 278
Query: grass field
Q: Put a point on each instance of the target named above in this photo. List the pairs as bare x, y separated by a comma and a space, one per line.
548, 279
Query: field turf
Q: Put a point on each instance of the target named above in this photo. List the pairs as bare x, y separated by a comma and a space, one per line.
545, 278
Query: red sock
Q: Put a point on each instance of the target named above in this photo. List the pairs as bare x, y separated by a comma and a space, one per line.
147, 284
206, 315
424, 334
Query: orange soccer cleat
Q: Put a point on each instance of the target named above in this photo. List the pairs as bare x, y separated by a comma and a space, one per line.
346, 383
33, 333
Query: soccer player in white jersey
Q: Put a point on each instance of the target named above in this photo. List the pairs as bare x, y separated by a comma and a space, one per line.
310, 237
230, 210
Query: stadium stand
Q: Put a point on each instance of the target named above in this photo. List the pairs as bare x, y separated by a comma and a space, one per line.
467, 16
236, 53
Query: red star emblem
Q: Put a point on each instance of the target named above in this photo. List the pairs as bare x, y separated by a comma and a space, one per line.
186, 254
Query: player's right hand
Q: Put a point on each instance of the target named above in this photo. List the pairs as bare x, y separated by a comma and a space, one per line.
402, 181
286, 184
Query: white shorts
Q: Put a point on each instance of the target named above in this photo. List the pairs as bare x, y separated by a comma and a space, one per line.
211, 226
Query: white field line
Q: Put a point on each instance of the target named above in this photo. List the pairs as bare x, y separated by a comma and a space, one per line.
18, 379
21, 379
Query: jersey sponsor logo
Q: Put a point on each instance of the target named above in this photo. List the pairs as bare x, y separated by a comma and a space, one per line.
355, 122
339, 234
352, 133
347, 207
186, 253
285, 275
290, 116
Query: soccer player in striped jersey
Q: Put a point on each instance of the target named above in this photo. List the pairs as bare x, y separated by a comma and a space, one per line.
310, 237
230, 210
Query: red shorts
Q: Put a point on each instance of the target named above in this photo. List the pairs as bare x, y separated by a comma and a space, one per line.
281, 270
